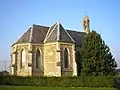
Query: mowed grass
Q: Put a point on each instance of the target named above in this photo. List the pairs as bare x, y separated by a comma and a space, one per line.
50, 88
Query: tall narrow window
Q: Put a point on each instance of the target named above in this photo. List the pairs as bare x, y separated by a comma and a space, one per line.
22, 58
37, 58
65, 58
13, 58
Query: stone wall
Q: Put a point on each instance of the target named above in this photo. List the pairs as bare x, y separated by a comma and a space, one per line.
16, 53
51, 59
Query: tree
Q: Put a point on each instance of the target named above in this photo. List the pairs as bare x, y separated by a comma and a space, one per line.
79, 63
96, 56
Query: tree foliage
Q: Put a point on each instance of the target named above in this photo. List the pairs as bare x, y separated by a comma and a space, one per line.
79, 63
96, 56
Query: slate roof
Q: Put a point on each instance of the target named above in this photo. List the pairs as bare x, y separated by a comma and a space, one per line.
39, 33
58, 33
42, 34
77, 36
25, 38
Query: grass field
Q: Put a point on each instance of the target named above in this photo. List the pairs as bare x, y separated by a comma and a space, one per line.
49, 88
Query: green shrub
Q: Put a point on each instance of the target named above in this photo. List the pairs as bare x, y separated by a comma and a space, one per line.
91, 81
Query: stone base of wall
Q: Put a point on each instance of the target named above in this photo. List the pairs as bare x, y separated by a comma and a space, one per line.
23, 72
67, 73
36, 72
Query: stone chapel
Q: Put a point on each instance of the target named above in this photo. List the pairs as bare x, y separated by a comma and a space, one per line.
47, 51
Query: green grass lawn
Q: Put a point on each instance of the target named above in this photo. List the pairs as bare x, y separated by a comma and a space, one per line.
50, 88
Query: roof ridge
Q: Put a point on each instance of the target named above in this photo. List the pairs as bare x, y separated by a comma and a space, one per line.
74, 31
58, 31
49, 33
22, 37
40, 25
31, 33
69, 35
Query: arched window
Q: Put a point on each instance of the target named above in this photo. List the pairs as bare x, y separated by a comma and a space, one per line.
23, 54
37, 58
65, 58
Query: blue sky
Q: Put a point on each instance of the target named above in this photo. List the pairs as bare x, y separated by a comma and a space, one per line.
17, 15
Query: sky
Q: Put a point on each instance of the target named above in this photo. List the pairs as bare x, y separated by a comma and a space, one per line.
16, 16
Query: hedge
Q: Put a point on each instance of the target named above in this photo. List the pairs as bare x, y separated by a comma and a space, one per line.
91, 81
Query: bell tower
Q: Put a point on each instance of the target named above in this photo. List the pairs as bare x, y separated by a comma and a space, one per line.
86, 24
